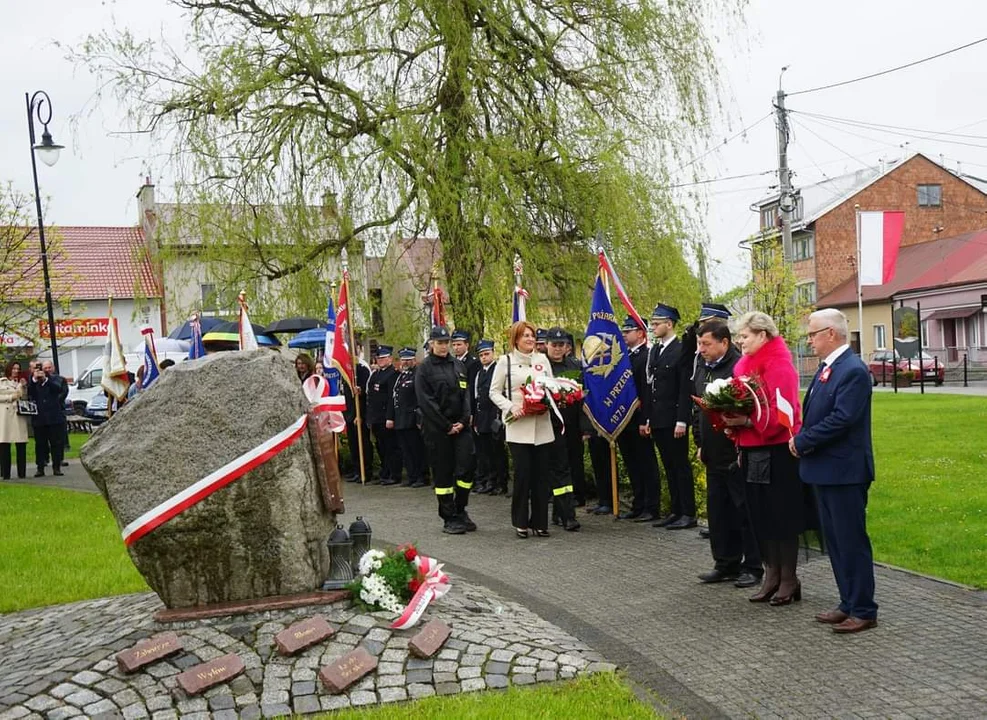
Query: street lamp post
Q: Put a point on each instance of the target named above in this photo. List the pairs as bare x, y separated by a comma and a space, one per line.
39, 105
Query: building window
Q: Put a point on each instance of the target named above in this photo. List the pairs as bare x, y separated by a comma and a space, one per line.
806, 293
880, 337
208, 298
930, 195
973, 332
769, 217
804, 247
925, 333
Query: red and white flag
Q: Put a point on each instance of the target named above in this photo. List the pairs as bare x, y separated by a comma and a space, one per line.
786, 413
248, 341
341, 358
880, 240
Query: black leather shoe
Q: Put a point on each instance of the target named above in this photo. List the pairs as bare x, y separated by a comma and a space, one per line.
646, 517
58, 472
467, 522
419, 484
704, 533
666, 520
387, 482
717, 576
571, 525
747, 579
603, 510
454, 527
629, 515
682, 523
40, 473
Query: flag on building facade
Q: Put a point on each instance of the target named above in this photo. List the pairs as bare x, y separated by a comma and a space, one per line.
197, 348
151, 370
879, 235
607, 267
611, 396
114, 380
248, 341
341, 358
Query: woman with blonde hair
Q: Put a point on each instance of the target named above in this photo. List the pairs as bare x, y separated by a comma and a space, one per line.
13, 427
775, 497
529, 436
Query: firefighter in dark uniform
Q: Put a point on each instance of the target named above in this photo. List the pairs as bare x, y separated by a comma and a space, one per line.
349, 415
491, 450
568, 446
380, 392
541, 338
635, 445
670, 416
442, 390
403, 418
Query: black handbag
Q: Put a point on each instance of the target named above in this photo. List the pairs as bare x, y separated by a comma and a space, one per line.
27, 407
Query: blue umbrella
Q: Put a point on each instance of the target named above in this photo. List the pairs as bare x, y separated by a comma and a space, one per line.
184, 331
312, 339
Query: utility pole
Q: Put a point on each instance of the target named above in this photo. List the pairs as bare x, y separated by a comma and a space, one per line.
703, 276
785, 201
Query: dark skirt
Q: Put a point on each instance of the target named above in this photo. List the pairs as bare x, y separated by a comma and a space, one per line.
781, 506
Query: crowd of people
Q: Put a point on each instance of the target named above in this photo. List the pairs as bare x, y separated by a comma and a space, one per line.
462, 416
32, 403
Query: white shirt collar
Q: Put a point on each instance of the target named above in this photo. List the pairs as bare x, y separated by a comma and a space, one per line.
667, 340
831, 358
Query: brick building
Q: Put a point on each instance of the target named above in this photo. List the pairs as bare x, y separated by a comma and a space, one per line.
937, 203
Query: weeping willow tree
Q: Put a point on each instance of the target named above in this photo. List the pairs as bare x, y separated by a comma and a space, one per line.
497, 125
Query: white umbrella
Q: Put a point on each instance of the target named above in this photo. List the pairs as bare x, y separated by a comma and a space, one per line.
164, 345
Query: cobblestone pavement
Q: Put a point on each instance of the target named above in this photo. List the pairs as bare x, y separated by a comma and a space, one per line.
631, 592
58, 662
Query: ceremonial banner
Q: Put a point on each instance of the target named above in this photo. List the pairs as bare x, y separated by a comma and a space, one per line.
248, 341
607, 267
114, 380
197, 348
341, 358
519, 311
611, 396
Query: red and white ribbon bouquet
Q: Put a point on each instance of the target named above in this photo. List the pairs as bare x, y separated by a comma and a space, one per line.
732, 396
401, 581
540, 394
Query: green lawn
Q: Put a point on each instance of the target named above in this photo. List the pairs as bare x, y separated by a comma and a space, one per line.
603, 695
928, 507
76, 441
58, 546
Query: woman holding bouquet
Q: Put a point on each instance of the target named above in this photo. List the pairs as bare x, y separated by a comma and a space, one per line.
528, 427
774, 490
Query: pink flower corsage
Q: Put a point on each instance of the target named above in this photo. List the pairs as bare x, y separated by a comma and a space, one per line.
827, 371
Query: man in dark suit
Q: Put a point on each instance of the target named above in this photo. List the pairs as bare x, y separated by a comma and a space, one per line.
380, 392
49, 393
403, 419
669, 417
491, 452
634, 443
838, 461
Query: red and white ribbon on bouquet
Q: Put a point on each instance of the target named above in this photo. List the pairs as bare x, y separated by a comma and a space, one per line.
217, 480
316, 389
434, 585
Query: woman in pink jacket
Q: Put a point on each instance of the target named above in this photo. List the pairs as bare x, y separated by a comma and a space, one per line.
775, 497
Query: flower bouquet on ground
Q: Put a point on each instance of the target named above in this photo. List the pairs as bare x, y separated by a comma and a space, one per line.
732, 396
401, 581
540, 394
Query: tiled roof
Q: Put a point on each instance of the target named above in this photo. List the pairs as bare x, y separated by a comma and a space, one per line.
92, 263
951, 261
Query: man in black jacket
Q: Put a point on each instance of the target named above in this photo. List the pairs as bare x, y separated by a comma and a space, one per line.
380, 391
403, 419
569, 483
49, 393
442, 390
491, 452
670, 414
731, 539
635, 446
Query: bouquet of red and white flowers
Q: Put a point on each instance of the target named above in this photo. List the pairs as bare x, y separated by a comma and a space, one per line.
401, 581
732, 396
541, 393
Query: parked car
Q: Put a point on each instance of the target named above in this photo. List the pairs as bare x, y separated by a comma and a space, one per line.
96, 409
88, 387
883, 363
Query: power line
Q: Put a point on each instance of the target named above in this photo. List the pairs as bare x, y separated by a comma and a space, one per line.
881, 126
890, 70
827, 120
722, 179
716, 147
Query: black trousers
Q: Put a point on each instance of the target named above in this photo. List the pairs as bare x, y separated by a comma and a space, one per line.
599, 455
453, 459
575, 449
49, 445
387, 452
563, 500
491, 459
639, 458
674, 454
731, 537
412, 453
529, 504
368, 456
21, 452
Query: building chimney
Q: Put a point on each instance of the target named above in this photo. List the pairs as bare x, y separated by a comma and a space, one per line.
146, 207
881, 159
959, 168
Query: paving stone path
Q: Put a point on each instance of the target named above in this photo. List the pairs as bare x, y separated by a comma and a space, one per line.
58, 662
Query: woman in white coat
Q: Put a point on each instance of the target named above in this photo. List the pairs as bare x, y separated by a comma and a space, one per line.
13, 427
529, 437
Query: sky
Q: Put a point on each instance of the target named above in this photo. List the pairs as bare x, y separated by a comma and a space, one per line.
100, 171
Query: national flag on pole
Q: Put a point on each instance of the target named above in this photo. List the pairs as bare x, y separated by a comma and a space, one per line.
151, 371
519, 311
335, 401
880, 240
248, 341
340, 357
114, 380
197, 348
611, 396
607, 267
438, 311
786, 413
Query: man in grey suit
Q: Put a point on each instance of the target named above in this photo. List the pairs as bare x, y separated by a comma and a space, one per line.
837, 459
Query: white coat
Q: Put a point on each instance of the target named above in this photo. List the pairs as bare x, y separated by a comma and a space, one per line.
529, 429
13, 427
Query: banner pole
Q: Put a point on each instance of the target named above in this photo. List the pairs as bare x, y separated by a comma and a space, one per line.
613, 480
357, 390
